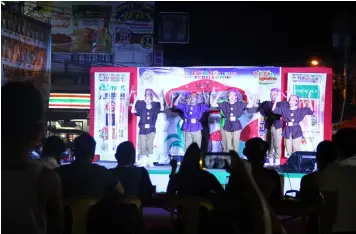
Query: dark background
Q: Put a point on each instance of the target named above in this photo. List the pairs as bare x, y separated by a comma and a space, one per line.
256, 33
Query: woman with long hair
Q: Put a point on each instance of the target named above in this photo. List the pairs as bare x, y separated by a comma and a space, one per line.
191, 180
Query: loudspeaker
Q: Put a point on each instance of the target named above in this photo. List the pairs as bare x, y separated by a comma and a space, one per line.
300, 162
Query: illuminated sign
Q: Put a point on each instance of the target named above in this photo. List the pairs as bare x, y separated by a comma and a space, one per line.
69, 101
307, 77
207, 74
265, 77
302, 91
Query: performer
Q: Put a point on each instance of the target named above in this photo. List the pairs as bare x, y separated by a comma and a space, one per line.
230, 111
292, 115
192, 112
273, 125
147, 110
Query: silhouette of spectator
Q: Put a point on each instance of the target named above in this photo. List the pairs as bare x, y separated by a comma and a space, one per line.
53, 148
268, 180
135, 180
309, 185
338, 180
82, 177
110, 216
31, 196
191, 180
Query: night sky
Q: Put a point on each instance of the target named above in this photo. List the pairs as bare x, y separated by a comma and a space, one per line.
255, 33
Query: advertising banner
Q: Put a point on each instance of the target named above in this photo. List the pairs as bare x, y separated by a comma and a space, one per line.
314, 85
111, 97
133, 28
174, 81
76, 28
268, 78
25, 51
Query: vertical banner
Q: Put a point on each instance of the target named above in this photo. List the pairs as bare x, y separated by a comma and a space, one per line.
174, 81
133, 27
268, 78
301, 84
111, 92
26, 51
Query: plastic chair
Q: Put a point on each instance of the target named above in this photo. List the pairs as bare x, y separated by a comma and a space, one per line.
189, 211
79, 207
131, 200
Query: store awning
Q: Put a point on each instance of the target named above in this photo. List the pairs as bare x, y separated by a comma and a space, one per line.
66, 114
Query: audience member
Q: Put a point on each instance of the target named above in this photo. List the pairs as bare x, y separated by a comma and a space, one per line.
245, 203
191, 180
109, 215
135, 180
82, 177
309, 185
30, 197
338, 183
53, 148
268, 180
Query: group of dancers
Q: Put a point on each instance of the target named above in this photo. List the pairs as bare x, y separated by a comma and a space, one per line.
231, 108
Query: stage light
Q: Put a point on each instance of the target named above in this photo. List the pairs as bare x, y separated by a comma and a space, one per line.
314, 62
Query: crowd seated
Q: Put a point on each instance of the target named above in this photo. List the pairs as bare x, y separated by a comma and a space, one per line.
34, 193
135, 180
53, 147
191, 180
83, 178
267, 179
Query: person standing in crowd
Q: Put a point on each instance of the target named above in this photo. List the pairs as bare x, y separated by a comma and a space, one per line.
84, 178
53, 148
231, 110
293, 115
337, 183
273, 126
31, 199
309, 185
148, 111
192, 111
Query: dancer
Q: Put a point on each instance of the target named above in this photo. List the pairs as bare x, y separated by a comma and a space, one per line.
292, 115
273, 125
147, 110
192, 112
230, 111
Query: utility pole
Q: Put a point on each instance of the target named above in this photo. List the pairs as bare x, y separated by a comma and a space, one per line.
342, 40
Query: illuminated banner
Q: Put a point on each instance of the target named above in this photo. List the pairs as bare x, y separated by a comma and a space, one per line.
69, 101
303, 84
133, 27
175, 80
110, 107
25, 51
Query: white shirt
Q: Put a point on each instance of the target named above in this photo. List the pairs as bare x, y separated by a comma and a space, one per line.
340, 178
48, 162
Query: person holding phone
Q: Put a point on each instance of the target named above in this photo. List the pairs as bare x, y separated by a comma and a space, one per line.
292, 115
148, 111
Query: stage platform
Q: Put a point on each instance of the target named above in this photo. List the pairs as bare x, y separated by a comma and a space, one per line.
160, 176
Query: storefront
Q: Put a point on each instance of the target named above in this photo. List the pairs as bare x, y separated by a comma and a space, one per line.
68, 114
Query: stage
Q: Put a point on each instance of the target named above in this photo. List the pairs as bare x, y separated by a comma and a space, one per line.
160, 176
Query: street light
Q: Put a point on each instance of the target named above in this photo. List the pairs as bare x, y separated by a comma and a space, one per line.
314, 62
